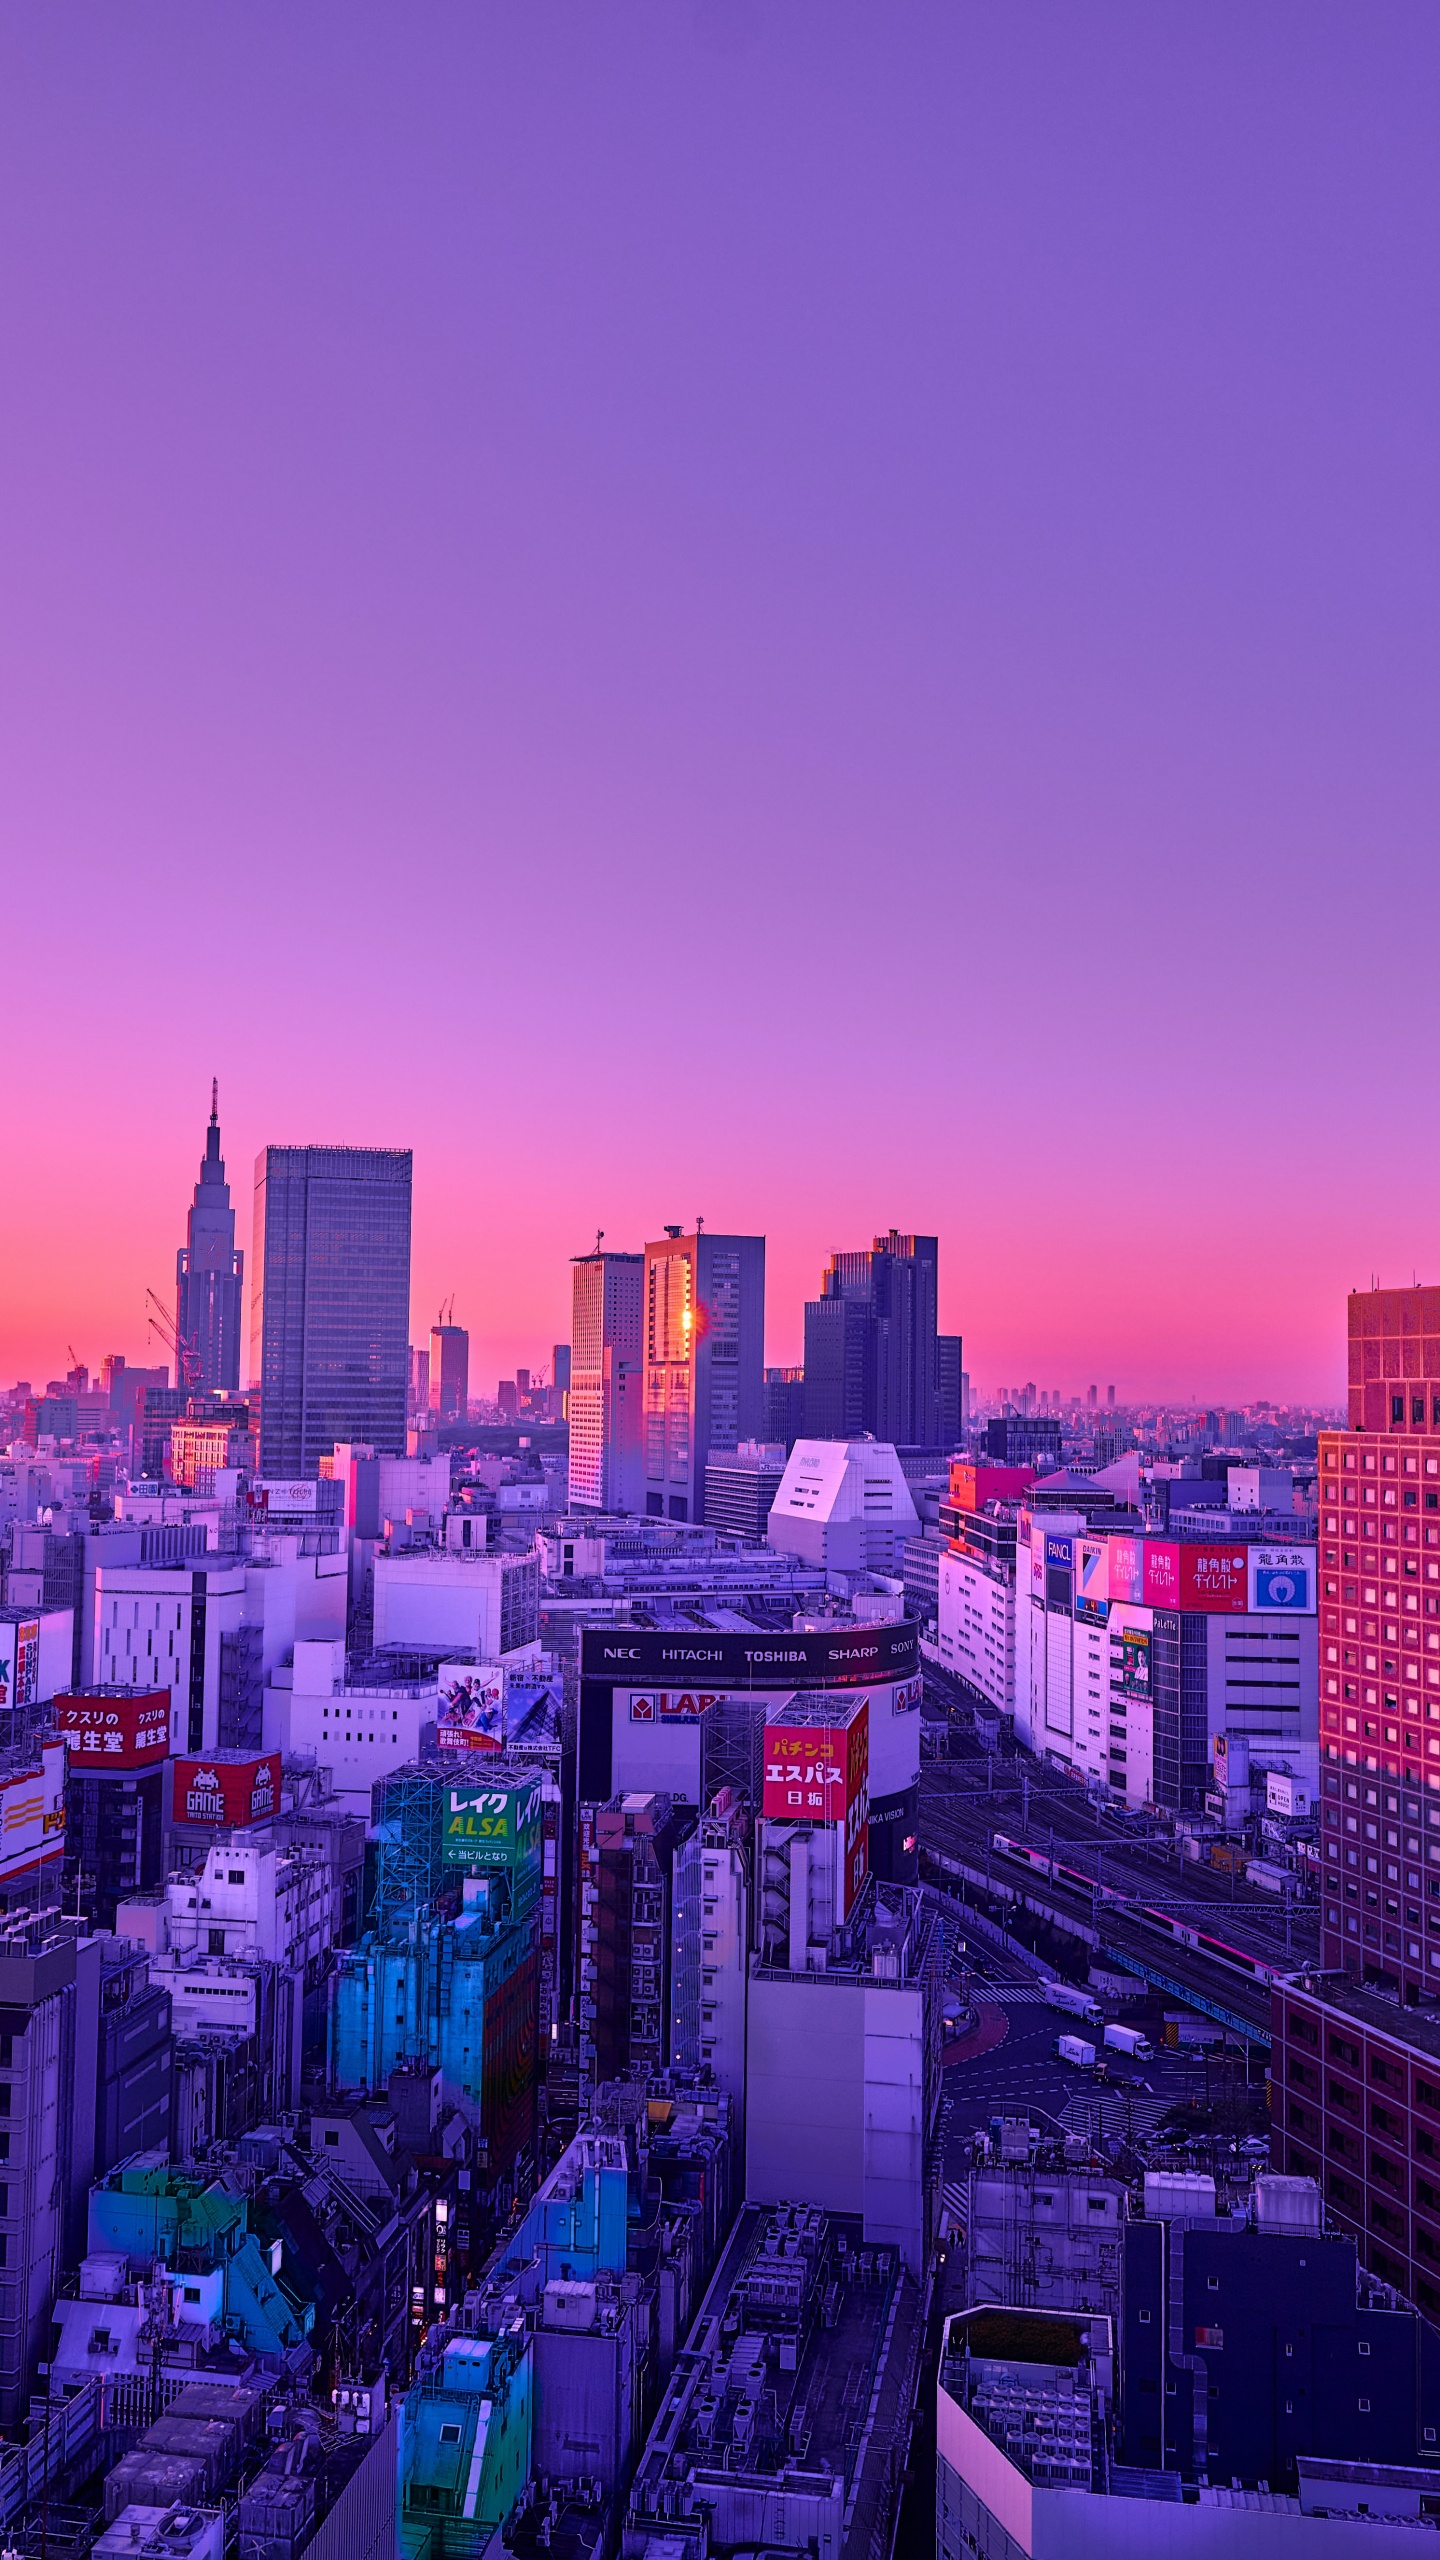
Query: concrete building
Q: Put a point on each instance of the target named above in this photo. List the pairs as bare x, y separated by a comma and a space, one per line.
740, 1487
842, 2048
710, 1963
704, 1353
209, 1276
975, 1608
448, 1382
357, 1720
1029, 2461
606, 1381
50, 1981
624, 1930
210, 1631
684, 1707
1135, 1656
760, 2443
485, 1605
844, 1505
330, 1302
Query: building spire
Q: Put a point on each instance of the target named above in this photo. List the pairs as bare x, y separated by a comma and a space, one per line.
215, 1102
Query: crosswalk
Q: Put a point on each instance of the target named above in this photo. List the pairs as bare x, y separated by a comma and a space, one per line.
952, 2206
1006, 1991
1112, 2114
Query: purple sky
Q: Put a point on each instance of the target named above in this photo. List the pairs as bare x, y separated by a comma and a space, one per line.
819, 614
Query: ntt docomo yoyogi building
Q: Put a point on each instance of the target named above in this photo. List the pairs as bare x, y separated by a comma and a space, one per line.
684, 1711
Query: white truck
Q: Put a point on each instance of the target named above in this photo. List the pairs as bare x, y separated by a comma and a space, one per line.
1069, 1996
1075, 2051
1129, 2040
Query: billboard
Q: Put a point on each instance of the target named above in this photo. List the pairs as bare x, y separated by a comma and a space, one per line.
32, 1814
1210, 1575
906, 1696
228, 1793
670, 1706
817, 1772
1092, 1573
851, 1657
472, 1707
1125, 1568
132, 1732
1130, 1662
1283, 1578
495, 1826
19, 1662
271, 1493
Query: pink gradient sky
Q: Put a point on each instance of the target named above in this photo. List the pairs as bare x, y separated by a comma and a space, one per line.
811, 613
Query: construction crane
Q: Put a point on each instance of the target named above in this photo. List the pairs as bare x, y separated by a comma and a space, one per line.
181, 1347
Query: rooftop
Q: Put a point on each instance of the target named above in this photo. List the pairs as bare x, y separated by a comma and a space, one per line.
1381, 2012
775, 2383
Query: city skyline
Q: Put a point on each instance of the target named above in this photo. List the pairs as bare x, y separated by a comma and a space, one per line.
28, 1348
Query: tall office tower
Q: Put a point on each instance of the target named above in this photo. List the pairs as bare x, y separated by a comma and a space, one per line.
419, 1381
449, 1372
704, 1361
209, 1272
606, 1378
876, 1367
949, 1370
330, 1302
1379, 1627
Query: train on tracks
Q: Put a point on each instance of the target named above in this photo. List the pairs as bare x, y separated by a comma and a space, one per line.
1168, 1924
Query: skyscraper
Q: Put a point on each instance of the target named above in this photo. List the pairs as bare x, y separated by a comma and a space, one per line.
605, 1380
208, 1274
704, 1322
1379, 1685
872, 1360
330, 1301
449, 1372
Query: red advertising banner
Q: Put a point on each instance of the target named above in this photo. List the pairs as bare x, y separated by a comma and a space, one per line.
115, 1733
1197, 1576
817, 1772
1215, 1577
228, 1793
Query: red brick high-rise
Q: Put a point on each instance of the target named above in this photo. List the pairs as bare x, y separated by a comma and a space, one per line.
1380, 1650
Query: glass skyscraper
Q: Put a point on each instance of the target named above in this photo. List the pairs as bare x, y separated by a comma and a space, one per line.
330, 1301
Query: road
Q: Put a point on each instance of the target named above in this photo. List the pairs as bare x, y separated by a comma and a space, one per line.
1010, 2067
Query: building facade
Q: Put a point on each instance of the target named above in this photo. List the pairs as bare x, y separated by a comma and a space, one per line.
606, 1380
872, 1359
330, 1302
704, 1349
1380, 1640
209, 1276
448, 1379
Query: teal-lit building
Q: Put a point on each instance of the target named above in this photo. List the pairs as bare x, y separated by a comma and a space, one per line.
448, 1973
224, 2276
